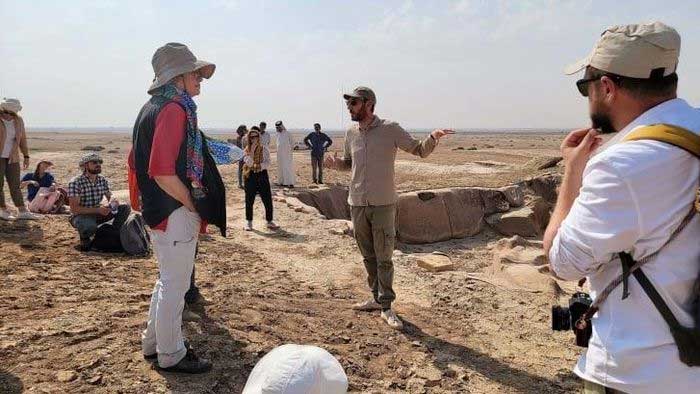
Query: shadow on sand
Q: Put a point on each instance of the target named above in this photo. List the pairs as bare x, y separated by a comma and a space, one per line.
489, 367
9, 383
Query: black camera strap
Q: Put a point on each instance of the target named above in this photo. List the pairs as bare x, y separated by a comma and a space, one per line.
628, 262
626, 271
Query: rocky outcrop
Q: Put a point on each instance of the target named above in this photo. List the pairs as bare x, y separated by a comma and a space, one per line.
544, 186
429, 216
331, 201
520, 221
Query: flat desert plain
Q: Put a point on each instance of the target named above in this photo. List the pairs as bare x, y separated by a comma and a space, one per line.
70, 321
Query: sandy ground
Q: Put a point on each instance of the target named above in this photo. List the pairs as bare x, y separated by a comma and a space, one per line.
77, 316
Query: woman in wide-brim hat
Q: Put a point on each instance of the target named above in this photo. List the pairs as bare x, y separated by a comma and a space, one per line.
13, 140
180, 188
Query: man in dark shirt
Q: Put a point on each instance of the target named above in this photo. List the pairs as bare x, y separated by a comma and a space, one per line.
318, 142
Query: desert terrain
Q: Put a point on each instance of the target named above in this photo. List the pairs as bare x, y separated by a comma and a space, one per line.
70, 321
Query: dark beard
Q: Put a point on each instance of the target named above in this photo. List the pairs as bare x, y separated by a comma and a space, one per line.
95, 171
603, 123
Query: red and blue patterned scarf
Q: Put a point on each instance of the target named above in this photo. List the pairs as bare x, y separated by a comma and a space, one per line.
195, 155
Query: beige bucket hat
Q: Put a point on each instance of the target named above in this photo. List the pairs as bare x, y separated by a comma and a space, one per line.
10, 105
634, 51
173, 59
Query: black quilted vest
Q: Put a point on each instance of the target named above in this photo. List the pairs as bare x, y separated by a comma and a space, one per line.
157, 205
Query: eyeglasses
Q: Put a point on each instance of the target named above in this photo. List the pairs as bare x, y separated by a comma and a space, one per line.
582, 84
354, 101
95, 161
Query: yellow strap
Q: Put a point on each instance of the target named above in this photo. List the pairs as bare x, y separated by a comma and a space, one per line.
670, 134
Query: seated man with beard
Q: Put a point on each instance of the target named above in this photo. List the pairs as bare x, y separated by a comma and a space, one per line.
85, 195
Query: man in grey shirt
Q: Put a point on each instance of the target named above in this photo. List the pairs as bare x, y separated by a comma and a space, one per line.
370, 152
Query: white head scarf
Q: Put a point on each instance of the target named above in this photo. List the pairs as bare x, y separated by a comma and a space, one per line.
10, 104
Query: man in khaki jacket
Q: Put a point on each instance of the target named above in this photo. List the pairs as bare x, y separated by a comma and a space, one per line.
13, 140
370, 151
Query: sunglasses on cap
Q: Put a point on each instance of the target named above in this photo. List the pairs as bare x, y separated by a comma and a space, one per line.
354, 101
582, 84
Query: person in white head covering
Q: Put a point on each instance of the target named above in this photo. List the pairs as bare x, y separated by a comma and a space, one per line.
297, 369
13, 140
285, 160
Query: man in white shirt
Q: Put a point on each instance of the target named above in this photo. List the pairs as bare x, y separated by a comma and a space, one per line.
629, 197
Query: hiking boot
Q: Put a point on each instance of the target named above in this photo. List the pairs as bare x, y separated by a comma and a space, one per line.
188, 315
272, 226
6, 215
369, 305
26, 215
392, 320
154, 356
85, 244
248, 226
190, 364
198, 300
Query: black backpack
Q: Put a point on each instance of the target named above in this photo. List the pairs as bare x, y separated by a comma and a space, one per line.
134, 237
107, 239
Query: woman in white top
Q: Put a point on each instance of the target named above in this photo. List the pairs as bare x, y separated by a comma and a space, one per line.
13, 139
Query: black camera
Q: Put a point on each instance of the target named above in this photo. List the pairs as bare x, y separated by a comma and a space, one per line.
564, 318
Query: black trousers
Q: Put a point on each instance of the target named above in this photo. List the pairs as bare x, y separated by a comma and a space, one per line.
258, 183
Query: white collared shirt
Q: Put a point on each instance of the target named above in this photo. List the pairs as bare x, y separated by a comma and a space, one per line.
634, 194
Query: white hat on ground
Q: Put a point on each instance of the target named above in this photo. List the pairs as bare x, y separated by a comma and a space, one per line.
297, 369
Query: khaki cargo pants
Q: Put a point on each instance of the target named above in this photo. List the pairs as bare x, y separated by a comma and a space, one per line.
375, 234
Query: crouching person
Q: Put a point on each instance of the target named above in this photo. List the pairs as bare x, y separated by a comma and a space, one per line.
181, 189
85, 195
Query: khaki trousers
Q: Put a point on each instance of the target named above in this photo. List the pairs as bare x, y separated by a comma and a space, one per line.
175, 249
375, 234
11, 172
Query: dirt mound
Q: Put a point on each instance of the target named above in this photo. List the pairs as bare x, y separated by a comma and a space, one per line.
521, 264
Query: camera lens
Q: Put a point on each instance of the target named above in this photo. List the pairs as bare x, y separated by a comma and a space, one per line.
561, 319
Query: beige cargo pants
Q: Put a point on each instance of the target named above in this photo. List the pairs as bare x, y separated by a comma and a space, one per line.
375, 233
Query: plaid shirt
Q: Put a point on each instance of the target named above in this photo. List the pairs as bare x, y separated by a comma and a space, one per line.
90, 193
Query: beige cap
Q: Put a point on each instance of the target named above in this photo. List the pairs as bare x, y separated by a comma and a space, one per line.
633, 51
362, 92
173, 59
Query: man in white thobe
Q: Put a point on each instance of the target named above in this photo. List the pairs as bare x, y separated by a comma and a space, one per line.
285, 161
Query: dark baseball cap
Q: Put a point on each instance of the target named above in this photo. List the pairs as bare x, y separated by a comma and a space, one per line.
362, 92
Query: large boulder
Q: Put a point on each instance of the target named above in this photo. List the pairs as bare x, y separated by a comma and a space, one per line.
493, 200
330, 201
542, 212
544, 186
516, 222
438, 215
422, 217
465, 211
514, 195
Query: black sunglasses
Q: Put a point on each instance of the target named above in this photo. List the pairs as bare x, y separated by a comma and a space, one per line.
582, 84
95, 162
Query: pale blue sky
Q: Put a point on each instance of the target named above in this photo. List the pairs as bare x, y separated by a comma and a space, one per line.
462, 64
